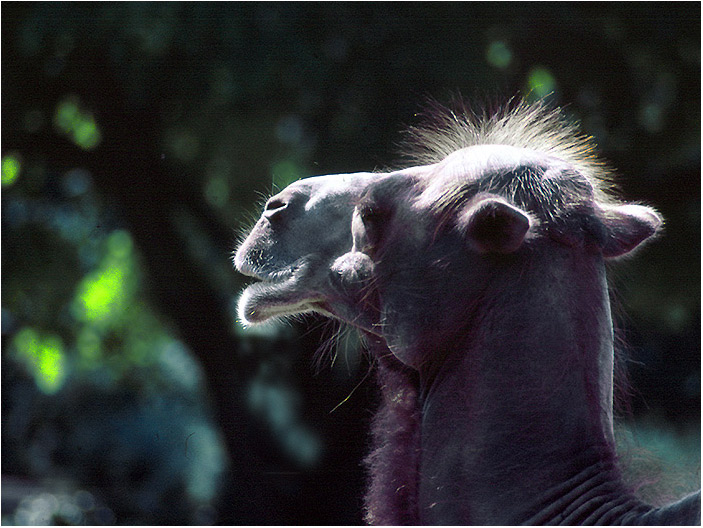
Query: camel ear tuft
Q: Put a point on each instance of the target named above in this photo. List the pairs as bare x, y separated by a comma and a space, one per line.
628, 226
491, 225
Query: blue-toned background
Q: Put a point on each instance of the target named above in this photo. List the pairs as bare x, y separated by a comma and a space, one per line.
138, 140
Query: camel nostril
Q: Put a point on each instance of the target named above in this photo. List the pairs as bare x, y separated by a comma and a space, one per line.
274, 207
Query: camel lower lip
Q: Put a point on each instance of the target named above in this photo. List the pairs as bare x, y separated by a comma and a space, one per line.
265, 300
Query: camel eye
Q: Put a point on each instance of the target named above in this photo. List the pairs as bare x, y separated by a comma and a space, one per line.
373, 219
369, 214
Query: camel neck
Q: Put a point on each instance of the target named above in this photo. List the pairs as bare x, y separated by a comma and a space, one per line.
524, 402
512, 423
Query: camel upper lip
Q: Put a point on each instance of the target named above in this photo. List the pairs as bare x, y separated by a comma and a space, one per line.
276, 276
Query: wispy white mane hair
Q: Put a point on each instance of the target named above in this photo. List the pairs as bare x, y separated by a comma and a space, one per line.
534, 126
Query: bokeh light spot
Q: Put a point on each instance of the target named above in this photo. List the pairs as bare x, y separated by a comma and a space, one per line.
119, 244
498, 54
304, 445
651, 117
279, 405
216, 191
66, 115
51, 365
78, 125
44, 357
76, 182
677, 317
86, 134
540, 82
289, 129
183, 144
102, 295
11, 167
285, 172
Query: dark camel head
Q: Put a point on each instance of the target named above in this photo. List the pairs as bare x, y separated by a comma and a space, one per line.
406, 255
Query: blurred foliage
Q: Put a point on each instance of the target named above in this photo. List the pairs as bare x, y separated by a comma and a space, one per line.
138, 139
43, 356
77, 125
11, 166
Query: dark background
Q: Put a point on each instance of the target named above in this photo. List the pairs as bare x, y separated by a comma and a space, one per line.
138, 141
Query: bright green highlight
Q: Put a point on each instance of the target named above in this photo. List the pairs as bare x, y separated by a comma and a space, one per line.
78, 125
498, 54
103, 295
86, 134
44, 357
541, 82
11, 167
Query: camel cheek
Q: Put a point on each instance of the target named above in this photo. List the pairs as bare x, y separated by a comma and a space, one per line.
350, 274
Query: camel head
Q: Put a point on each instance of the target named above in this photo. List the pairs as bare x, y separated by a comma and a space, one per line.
408, 255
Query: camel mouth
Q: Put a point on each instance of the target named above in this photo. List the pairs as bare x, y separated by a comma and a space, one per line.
272, 277
244, 266
278, 294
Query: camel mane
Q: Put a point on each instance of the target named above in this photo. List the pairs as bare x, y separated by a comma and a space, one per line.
531, 125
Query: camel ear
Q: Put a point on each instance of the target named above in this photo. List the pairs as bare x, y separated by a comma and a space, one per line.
491, 225
627, 226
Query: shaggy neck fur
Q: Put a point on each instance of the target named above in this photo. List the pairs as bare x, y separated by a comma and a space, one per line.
515, 426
